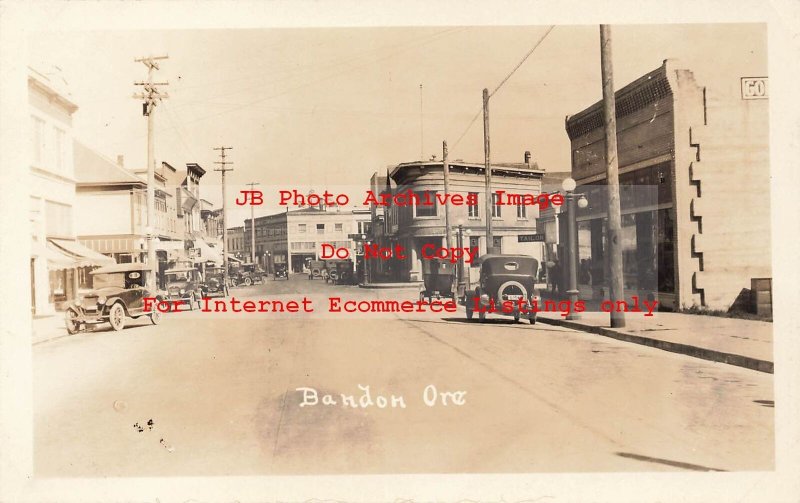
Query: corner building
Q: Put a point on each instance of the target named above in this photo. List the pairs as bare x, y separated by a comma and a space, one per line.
694, 186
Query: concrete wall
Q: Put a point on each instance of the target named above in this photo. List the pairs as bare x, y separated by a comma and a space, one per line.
722, 168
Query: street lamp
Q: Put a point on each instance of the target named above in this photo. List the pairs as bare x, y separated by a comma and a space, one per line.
462, 274
573, 200
267, 264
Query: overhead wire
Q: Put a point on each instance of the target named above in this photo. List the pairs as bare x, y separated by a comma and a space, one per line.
521, 62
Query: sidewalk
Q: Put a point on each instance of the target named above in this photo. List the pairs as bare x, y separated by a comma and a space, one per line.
406, 284
48, 328
744, 343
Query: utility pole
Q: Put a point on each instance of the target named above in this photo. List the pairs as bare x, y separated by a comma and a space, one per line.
446, 169
252, 226
223, 169
616, 285
421, 135
151, 96
488, 169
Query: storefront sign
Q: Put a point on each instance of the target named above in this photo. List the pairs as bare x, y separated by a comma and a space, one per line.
530, 238
755, 88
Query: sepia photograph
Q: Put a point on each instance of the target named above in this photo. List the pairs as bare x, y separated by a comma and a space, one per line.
442, 250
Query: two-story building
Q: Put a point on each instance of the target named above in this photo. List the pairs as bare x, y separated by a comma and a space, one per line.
413, 226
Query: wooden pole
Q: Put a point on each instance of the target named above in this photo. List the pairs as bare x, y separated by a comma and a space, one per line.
446, 170
488, 171
616, 284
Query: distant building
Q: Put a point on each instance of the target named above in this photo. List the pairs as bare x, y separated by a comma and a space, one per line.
703, 232
294, 237
58, 260
413, 227
235, 246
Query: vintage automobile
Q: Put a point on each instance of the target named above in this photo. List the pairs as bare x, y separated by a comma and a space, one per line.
214, 283
118, 293
340, 271
184, 283
247, 274
505, 281
317, 269
281, 271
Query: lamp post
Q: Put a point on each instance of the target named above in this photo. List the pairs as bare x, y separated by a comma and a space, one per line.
461, 275
267, 264
573, 202
366, 264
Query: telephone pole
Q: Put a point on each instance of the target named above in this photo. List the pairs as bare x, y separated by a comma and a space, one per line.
224, 169
488, 169
151, 96
252, 226
446, 170
616, 285
421, 135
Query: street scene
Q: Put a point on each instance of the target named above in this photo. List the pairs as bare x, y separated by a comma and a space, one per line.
164, 400
401, 250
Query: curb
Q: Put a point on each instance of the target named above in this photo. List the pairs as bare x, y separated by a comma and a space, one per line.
375, 286
673, 347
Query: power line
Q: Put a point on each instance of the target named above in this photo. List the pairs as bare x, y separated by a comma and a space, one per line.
480, 110
522, 60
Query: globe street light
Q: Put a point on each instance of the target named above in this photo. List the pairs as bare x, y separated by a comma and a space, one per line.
573, 202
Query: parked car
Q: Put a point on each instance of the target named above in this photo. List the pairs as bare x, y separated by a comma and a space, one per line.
247, 274
214, 283
281, 271
317, 269
505, 279
184, 283
118, 293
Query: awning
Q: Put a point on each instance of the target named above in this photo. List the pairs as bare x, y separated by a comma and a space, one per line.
231, 258
56, 260
207, 253
83, 256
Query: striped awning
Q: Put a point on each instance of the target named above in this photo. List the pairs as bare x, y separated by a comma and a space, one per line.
56, 260
83, 256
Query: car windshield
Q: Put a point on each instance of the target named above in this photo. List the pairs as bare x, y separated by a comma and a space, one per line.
116, 279
180, 276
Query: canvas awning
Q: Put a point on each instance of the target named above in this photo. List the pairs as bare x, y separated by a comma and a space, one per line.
56, 260
207, 253
83, 256
231, 258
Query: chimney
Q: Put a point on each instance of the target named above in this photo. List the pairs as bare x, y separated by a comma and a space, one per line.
121, 161
528, 157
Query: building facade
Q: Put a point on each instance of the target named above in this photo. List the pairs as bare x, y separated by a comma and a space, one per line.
694, 178
295, 237
58, 260
414, 226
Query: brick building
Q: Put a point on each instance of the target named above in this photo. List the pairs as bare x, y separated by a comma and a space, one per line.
694, 177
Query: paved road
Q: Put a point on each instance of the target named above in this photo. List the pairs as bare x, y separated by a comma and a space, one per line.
219, 392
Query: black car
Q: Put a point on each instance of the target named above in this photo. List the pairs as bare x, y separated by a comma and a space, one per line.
507, 287
118, 293
214, 283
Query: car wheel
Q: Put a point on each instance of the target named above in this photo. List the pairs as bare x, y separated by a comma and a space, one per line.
155, 317
72, 326
516, 316
116, 317
482, 315
532, 318
248, 281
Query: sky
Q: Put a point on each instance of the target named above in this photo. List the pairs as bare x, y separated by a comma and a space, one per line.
326, 107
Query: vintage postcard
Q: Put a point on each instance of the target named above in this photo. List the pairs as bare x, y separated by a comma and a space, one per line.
519, 260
